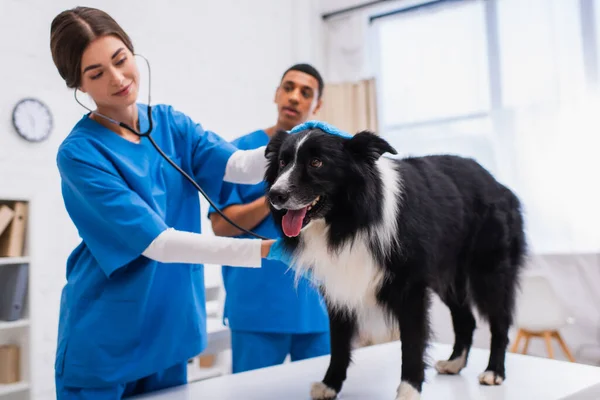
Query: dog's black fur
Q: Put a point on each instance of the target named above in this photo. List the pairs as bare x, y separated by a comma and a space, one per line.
458, 232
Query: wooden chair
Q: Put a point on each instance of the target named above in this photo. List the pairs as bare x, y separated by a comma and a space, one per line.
540, 314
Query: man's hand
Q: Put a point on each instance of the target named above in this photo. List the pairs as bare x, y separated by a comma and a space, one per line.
248, 216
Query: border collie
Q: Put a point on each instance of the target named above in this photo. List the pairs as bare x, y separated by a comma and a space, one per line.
377, 234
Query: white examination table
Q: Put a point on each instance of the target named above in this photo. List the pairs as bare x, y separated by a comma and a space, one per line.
375, 375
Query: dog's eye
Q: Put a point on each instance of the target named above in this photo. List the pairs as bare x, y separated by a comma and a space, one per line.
281, 163
316, 163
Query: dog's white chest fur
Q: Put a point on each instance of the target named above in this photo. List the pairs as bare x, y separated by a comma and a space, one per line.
350, 275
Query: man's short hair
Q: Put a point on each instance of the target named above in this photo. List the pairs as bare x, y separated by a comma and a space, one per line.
310, 70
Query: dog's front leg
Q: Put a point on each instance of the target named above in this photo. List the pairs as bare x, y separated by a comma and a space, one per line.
411, 310
342, 328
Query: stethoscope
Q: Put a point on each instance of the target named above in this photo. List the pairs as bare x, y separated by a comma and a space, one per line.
162, 153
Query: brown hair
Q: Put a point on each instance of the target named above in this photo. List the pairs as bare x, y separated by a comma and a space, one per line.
70, 34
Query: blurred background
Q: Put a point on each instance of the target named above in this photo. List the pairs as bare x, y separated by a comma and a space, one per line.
511, 83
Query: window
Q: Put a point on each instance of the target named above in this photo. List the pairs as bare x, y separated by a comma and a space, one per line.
441, 66
433, 64
541, 58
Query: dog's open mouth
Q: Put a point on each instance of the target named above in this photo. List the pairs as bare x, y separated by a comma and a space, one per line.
294, 220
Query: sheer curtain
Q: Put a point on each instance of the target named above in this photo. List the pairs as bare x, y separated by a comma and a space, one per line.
505, 84
433, 82
350, 106
432, 64
555, 125
349, 99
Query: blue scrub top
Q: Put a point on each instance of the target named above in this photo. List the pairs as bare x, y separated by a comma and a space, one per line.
266, 299
122, 315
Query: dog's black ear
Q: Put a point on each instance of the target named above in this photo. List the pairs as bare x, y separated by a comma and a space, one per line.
274, 144
368, 146
272, 156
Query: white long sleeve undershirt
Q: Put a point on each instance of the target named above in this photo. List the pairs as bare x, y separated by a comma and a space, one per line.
173, 246
246, 166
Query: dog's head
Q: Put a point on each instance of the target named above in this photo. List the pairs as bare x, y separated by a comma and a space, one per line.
308, 171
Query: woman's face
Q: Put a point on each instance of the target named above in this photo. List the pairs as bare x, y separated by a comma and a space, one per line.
109, 73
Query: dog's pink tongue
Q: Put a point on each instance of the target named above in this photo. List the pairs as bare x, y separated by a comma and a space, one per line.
292, 222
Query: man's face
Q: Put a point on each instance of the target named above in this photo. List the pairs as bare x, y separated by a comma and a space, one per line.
297, 99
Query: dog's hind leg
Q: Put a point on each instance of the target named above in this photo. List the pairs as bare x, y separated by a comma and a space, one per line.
463, 322
494, 279
342, 327
494, 374
494, 295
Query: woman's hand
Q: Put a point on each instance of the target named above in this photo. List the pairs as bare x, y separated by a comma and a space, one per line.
265, 247
276, 250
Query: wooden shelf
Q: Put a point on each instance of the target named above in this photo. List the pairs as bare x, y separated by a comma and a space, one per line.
13, 260
20, 323
13, 388
14, 252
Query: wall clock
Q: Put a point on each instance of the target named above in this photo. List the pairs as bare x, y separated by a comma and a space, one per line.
32, 120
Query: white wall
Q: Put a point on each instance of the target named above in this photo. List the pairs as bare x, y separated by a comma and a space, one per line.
219, 61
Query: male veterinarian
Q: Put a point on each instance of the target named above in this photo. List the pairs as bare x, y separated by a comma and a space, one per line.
268, 315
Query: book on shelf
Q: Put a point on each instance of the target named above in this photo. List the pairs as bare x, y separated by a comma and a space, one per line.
6, 215
13, 290
9, 364
12, 237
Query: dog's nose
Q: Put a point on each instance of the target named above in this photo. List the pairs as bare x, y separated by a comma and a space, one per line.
278, 197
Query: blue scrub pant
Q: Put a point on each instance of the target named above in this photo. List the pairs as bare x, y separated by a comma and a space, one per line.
252, 350
173, 376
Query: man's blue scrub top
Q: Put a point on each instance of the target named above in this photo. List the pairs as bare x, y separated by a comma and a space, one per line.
266, 300
122, 315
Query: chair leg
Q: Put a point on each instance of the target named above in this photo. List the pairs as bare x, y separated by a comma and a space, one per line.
563, 346
527, 337
548, 338
515, 345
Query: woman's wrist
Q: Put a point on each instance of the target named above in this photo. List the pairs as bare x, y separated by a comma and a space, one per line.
265, 247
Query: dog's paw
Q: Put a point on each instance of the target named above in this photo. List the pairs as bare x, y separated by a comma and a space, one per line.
406, 391
320, 391
490, 378
451, 366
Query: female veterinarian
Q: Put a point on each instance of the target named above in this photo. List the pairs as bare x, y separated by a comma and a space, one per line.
133, 309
